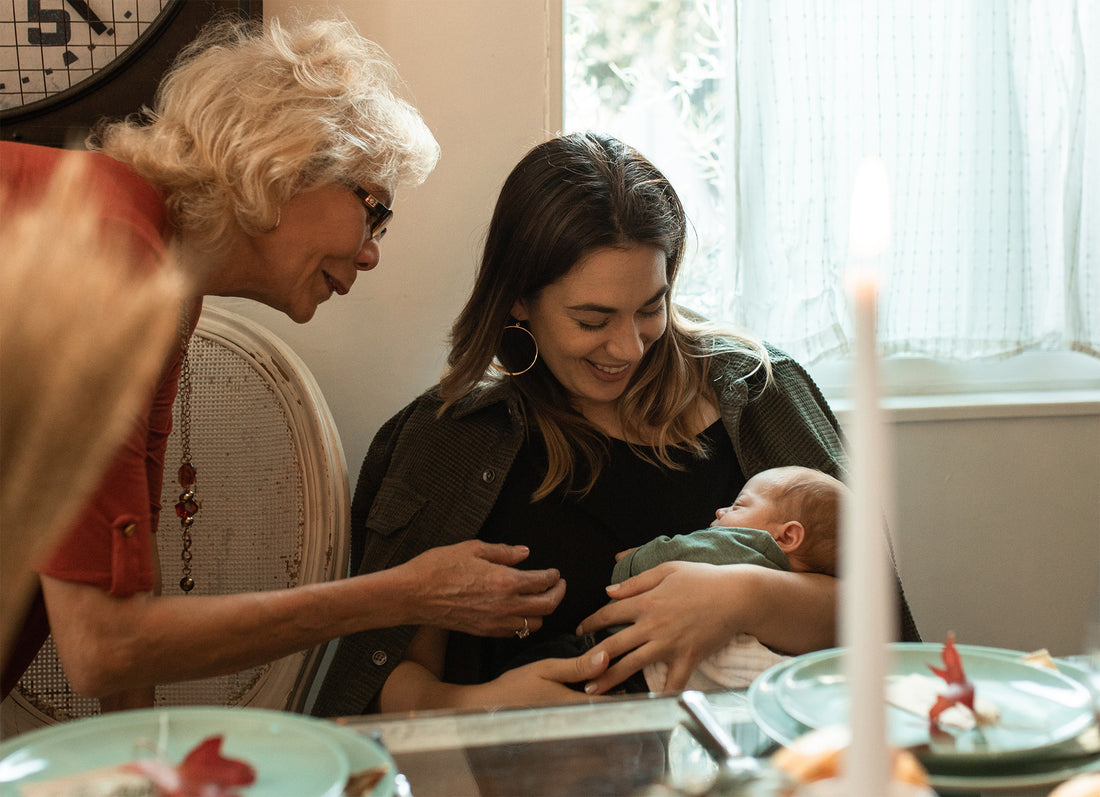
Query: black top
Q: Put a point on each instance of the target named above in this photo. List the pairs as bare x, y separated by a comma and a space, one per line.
632, 502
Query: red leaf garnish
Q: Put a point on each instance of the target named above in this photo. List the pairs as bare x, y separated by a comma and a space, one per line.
959, 689
205, 766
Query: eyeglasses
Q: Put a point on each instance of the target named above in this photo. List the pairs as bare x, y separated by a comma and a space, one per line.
378, 213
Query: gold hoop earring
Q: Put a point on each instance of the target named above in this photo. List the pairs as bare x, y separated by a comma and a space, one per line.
500, 369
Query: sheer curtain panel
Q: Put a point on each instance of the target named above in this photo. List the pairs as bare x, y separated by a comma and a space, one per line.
985, 112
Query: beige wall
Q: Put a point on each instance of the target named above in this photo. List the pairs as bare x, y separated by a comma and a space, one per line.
997, 520
997, 523
478, 71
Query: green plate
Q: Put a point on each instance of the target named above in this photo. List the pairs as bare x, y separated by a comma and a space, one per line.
766, 710
362, 753
292, 756
1039, 708
1062, 762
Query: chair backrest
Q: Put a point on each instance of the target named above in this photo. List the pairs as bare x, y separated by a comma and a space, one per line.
272, 480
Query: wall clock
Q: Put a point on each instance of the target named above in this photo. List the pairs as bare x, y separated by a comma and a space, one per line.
65, 63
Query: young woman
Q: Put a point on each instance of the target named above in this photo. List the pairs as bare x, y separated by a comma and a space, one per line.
583, 413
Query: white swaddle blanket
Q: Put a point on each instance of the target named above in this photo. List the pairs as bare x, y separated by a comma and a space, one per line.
733, 667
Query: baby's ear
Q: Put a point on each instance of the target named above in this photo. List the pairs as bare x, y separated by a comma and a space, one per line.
791, 536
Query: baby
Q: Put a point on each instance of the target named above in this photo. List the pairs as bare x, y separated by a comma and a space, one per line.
784, 518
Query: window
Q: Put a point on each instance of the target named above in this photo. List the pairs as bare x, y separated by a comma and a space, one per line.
759, 113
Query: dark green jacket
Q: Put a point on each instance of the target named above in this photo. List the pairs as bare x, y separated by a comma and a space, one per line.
429, 481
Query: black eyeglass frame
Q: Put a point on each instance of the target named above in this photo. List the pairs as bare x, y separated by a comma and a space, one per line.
379, 214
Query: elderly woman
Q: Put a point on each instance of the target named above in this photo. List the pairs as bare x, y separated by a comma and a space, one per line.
266, 170
584, 413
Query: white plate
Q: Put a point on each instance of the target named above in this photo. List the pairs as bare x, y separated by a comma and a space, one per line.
1039, 708
292, 756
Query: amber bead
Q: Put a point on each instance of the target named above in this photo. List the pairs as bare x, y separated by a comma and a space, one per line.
186, 474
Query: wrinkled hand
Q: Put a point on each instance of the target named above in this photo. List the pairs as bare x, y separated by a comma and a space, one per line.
545, 682
473, 587
678, 612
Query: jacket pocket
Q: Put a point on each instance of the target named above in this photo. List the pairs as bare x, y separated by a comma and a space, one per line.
394, 507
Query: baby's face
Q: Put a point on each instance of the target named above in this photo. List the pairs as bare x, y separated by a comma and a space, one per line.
754, 508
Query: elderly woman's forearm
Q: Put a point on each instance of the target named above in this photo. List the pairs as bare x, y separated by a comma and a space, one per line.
110, 644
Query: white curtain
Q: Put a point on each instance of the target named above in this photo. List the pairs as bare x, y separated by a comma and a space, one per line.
986, 114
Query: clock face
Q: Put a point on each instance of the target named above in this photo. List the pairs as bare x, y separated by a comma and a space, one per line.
51, 50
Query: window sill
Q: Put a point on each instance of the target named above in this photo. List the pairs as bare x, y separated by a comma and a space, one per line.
1031, 385
973, 406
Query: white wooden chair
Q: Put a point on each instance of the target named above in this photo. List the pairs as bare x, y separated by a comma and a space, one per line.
272, 479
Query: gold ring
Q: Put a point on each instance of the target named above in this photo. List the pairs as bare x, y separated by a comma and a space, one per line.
524, 632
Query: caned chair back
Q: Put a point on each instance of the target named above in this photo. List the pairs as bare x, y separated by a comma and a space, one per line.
272, 481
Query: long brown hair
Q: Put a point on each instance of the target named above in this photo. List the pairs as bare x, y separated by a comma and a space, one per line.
565, 198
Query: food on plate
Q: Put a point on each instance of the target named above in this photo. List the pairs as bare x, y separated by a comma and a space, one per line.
98, 783
957, 707
204, 772
960, 692
1080, 786
362, 783
819, 755
1040, 658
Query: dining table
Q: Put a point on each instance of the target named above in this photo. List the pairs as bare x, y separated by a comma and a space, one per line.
630, 745
612, 746
686, 744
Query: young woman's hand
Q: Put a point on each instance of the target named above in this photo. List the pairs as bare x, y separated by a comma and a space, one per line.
678, 612
547, 680
415, 685
682, 612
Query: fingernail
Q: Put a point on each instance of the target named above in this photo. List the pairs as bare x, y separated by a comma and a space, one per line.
579, 631
590, 688
599, 657
612, 588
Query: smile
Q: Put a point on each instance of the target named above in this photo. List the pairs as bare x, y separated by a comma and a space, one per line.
333, 285
608, 373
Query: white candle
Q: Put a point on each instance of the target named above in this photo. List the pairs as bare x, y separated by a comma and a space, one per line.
867, 596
